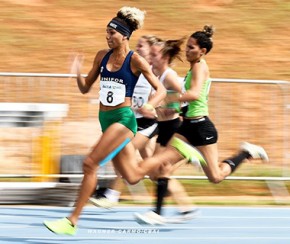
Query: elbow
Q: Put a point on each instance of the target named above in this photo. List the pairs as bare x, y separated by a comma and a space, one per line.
84, 92
194, 96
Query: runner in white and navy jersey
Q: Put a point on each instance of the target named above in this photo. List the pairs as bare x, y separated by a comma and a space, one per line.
118, 69
146, 127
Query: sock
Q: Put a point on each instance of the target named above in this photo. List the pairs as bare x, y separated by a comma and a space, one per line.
234, 161
112, 195
162, 186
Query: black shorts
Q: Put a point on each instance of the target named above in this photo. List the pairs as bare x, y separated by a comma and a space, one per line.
183, 111
147, 127
198, 132
166, 129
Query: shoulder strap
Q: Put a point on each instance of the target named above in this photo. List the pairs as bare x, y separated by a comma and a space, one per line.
162, 77
106, 58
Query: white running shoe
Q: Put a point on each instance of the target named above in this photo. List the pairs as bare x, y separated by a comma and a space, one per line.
149, 218
255, 151
182, 217
189, 215
102, 202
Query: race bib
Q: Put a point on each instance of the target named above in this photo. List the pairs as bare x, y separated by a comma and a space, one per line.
112, 93
139, 98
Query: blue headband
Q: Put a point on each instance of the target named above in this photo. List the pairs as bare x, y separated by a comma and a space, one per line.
121, 28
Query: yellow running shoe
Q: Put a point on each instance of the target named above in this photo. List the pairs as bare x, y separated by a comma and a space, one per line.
188, 151
61, 226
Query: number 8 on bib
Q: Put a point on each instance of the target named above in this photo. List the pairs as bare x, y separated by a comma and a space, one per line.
112, 93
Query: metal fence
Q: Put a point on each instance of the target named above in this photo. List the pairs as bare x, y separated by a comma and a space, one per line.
32, 143
242, 110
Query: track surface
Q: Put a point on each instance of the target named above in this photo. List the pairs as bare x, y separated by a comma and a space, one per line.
223, 225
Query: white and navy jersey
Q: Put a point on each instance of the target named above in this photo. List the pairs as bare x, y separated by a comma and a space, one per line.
116, 85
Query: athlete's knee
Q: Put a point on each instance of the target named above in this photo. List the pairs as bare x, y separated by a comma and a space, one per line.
215, 179
154, 174
89, 166
162, 171
153, 177
132, 180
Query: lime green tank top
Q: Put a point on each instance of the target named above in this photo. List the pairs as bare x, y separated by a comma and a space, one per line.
198, 107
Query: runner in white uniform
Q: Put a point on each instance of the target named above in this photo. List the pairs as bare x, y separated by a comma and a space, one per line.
168, 122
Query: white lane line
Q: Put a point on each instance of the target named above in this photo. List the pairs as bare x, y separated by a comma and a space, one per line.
243, 217
190, 228
97, 229
79, 238
12, 226
131, 217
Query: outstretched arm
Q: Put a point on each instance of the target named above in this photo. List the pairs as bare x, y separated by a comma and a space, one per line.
85, 84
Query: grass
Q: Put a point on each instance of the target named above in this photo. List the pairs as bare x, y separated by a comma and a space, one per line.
249, 34
228, 192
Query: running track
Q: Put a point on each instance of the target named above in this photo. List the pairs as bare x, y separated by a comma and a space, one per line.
238, 225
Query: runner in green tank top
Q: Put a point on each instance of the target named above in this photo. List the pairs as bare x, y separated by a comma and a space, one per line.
197, 136
198, 107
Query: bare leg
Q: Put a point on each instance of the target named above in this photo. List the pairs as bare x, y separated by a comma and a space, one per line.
177, 190
117, 184
140, 141
159, 148
148, 149
215, 171
218, 171
179, 195
107, 143
87, 187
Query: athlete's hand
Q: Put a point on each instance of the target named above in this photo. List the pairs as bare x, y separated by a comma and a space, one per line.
148, 111
77, 64
172, 97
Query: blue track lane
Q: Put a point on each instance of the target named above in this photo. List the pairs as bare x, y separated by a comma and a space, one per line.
238, 225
